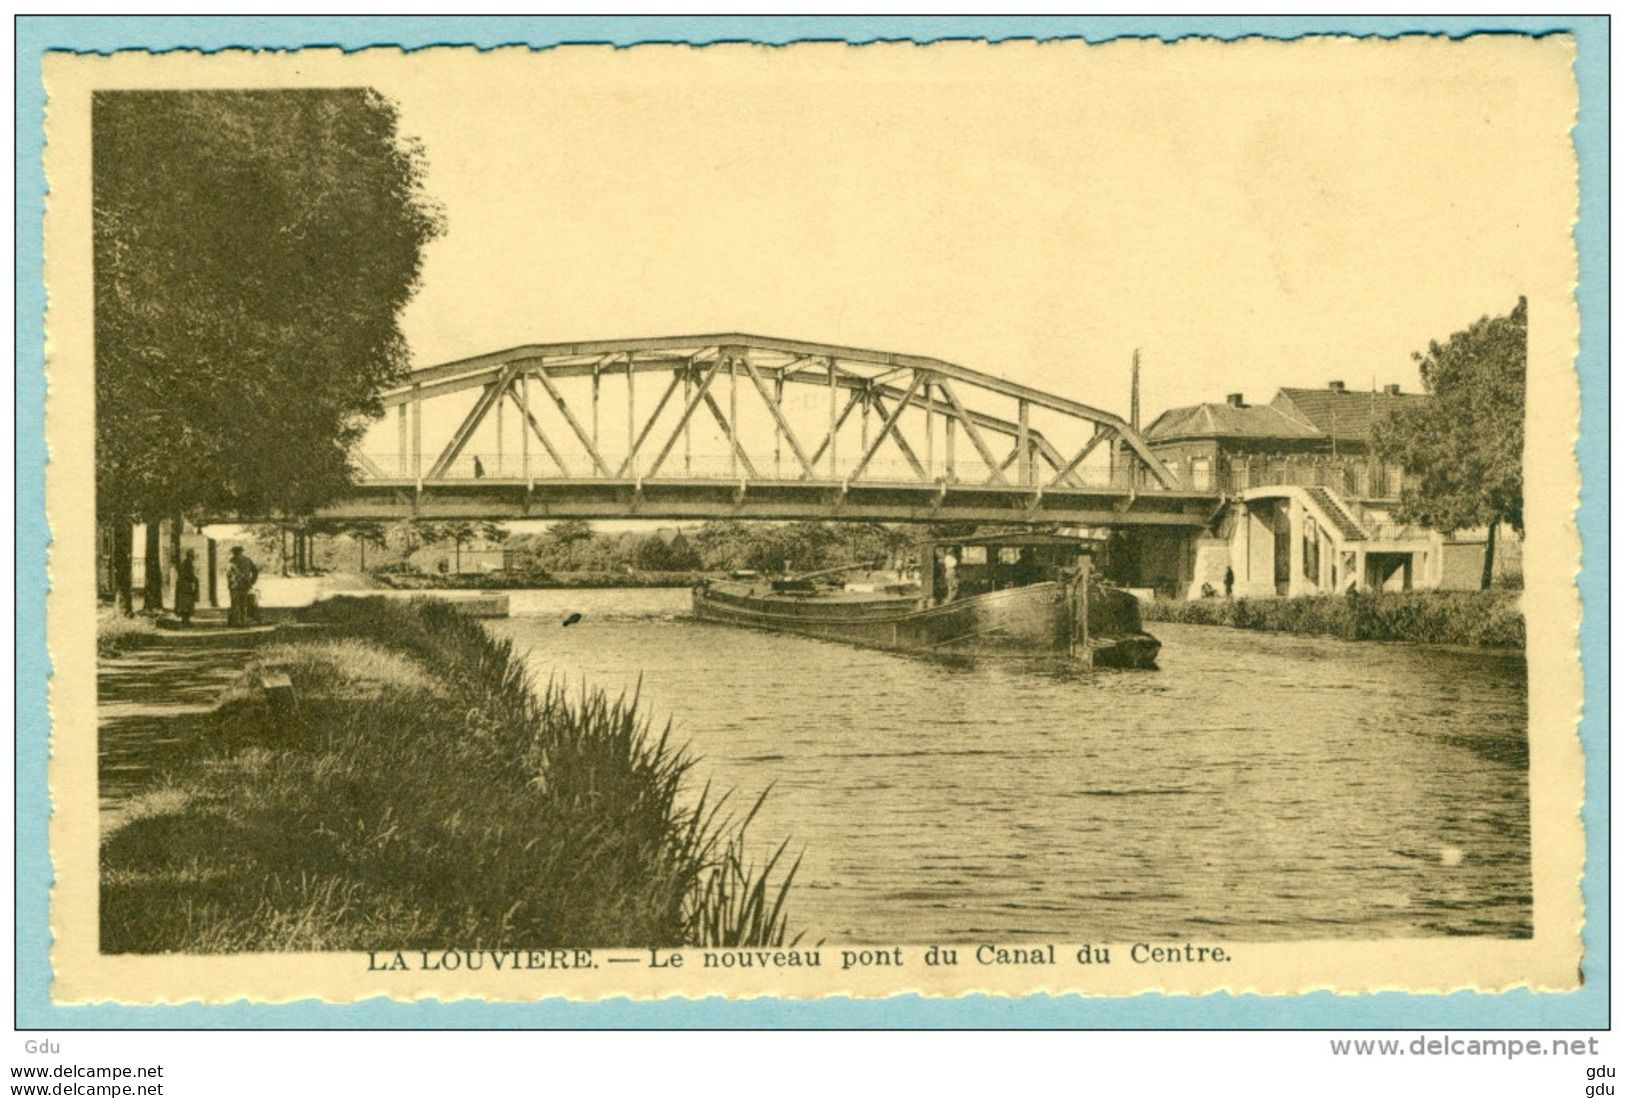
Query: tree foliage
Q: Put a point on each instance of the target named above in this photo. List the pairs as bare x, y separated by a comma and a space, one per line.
253, 251
459, 532
714, 546
408, 535
1463, 449
656, 554
362, 532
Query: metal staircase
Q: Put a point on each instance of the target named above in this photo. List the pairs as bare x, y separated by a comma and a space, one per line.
1338, 513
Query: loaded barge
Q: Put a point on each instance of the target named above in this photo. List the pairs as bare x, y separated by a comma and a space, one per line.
1025, 594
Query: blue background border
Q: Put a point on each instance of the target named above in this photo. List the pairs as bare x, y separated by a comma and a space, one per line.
1586, 1008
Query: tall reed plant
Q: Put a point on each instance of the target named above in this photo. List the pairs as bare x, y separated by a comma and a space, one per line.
421, 791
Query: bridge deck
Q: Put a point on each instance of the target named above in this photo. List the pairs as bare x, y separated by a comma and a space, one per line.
498, 499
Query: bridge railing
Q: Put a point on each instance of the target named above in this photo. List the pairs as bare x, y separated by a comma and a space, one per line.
379, 467
1396, 531
1353, 477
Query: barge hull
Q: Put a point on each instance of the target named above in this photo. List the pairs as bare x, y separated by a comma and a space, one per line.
1035, 620
1021, 621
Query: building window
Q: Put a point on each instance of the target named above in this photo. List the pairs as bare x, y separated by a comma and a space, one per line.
1201, 473
1311, 549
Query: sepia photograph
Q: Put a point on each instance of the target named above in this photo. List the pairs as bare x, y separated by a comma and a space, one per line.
815, 520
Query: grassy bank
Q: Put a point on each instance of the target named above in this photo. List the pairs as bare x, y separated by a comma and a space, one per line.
419, 793
1480, 619
505, 581
118, 633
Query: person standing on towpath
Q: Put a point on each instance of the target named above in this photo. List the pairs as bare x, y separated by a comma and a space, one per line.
241, 573
186, 586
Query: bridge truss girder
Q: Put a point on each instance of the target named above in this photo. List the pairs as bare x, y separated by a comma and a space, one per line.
934, 397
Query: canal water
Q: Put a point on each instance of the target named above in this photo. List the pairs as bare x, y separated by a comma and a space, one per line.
1257, 787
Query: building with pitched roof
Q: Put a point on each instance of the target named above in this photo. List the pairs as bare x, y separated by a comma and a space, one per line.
1342, 415
1307, 503
1304, 433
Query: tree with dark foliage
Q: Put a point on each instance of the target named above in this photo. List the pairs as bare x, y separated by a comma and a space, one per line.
253, 252
461, 532
1465, 445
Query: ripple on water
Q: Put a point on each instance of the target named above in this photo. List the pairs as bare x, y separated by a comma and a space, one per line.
1266, 787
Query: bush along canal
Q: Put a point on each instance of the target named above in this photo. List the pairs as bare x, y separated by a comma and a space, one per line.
414, 789
1476, 619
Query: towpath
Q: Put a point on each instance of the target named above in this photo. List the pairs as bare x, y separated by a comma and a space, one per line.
148, 698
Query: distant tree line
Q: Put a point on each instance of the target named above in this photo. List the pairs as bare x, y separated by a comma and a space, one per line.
574, 546
713, 547
362, 546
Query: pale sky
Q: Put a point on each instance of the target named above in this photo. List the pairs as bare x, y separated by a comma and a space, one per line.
1250, 217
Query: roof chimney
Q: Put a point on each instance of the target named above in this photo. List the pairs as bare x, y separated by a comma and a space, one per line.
1234, 400
1391, 390
1335, 386
1134, 394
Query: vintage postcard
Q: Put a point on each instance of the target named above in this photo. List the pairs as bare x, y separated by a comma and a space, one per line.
821, 520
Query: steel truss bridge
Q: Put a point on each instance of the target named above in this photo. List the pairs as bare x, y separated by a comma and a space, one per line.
740, 426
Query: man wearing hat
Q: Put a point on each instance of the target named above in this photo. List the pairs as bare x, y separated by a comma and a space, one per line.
241, 572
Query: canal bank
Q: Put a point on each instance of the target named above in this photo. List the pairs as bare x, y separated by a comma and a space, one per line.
1472, 619
541, 581
406, 786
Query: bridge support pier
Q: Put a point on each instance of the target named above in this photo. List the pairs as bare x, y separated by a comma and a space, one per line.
1295, 516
